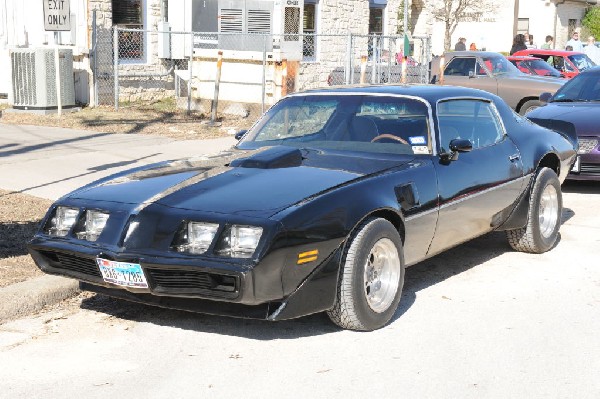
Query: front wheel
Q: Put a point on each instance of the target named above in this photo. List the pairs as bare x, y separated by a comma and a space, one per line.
544, 216
372, 276
530, 106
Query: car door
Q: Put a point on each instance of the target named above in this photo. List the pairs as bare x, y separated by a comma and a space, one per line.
469, 72
478, 189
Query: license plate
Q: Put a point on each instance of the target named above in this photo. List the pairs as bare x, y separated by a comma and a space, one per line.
575, 167
122, 273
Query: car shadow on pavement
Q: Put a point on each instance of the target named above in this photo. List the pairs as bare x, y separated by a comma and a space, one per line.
418, 277
15, 236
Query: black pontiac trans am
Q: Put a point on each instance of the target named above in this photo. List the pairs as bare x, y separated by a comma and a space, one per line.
319, 207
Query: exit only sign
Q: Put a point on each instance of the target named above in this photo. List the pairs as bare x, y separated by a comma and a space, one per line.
57, 15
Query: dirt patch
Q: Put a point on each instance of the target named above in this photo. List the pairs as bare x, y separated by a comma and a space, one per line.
20, 215
154, 118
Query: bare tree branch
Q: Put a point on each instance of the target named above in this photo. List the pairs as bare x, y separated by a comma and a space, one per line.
451, 12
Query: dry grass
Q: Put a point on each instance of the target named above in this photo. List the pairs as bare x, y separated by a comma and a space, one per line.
156, 118
20, 215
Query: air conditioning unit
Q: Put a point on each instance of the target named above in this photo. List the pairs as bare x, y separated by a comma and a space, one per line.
34, 78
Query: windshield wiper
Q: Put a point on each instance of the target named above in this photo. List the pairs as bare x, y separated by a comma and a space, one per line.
563, 100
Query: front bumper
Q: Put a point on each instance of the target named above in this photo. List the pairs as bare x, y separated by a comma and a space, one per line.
588, 167
240, 288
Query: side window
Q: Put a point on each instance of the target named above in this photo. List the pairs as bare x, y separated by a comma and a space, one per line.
459, 66
475, 120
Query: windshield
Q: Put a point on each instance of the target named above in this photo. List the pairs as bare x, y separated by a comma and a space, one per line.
499, 65
384, 124
581, 61
583, 87
538, 67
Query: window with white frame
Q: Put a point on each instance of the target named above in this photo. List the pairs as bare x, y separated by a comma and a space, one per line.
128, 15
309, 28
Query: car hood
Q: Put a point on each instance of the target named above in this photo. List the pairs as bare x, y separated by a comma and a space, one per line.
583, 116
546, 81
253, 183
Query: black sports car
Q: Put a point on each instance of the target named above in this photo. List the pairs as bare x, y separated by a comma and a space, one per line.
575, 108
319, 207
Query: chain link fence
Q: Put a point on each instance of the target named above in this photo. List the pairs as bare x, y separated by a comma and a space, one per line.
243, 74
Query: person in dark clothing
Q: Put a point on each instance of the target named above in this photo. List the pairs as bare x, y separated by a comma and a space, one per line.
518, 44
461, 44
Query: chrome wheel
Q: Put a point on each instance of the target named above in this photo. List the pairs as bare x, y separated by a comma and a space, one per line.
382, 273
548, 211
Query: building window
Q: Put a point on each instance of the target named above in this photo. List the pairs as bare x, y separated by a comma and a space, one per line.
128, 14
376, 24
523, 25
572, 26
309, 27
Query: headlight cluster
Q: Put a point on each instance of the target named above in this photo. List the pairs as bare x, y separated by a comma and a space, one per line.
234, 241
86, 225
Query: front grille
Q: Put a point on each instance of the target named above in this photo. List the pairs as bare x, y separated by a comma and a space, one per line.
590, 168
193, 281
587, 145
60, 260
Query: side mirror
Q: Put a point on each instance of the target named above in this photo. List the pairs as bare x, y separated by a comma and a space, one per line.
471, 74
461, 145
545, 97
456, 146
238, 136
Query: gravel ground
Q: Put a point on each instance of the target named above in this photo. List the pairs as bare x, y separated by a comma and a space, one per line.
20, 215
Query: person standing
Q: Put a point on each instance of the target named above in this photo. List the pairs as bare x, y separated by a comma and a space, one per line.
549, 44
575, 42
518, 44
592, 51
461, 44
529, 40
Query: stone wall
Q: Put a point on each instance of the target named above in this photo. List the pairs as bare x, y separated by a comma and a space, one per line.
336, 20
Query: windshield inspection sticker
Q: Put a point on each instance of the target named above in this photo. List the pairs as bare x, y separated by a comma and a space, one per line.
417, 140
420, 149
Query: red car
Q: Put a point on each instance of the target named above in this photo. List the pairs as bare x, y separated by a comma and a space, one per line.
534, 66
569, 63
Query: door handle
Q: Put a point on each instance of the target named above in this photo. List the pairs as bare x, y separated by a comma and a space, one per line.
514, 157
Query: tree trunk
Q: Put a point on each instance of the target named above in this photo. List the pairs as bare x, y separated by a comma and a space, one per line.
447, 37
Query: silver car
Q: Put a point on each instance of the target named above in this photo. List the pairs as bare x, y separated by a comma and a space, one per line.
493, 73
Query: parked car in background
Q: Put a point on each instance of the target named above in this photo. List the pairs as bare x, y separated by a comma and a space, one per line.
492, 72
534, 66
569, 63
318, 208
576, 106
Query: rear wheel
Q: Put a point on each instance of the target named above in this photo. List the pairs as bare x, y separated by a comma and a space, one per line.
371, 279
529, 106
545, 209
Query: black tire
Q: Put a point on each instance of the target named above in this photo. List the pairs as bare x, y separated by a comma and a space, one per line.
543, 218
366, 300
529, 106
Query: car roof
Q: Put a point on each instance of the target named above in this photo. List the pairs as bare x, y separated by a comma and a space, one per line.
431, 93
472, 54
561, 53
522, 58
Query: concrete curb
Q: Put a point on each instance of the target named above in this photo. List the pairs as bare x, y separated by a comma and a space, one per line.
32, 295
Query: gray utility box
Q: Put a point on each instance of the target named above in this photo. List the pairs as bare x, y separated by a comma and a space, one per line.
34, 78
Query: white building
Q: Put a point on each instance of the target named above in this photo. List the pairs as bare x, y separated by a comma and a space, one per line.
495, 31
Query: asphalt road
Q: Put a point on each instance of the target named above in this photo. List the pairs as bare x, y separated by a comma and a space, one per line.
479, 321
